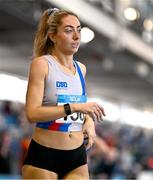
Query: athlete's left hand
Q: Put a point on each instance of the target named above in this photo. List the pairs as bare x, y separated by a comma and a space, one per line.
89, 132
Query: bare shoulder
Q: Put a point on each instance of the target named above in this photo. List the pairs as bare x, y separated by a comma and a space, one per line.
39, 64
38, 69
83, 67
39, 61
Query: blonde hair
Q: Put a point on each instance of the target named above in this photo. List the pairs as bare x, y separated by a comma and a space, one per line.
49, 23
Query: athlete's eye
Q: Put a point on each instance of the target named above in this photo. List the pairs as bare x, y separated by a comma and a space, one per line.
79, 30
69, 30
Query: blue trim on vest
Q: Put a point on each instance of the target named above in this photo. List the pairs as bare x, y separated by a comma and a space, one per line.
81, 78
44, 125
64, 127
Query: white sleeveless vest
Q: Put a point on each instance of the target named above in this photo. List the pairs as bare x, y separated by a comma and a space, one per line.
61, 88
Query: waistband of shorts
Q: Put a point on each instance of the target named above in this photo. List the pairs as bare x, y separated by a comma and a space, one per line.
38, 146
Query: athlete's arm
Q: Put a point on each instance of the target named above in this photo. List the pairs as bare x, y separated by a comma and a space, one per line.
89, 131
35, 112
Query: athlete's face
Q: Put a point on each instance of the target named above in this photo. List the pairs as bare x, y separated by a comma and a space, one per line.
67, 39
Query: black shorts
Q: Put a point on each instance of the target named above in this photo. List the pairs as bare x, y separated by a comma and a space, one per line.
55, 160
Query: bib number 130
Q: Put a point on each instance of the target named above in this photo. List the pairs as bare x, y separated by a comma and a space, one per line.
75, 117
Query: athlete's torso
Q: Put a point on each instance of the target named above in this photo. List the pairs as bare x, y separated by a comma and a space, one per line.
60, 88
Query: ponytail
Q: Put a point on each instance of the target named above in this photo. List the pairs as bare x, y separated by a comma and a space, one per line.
42, 44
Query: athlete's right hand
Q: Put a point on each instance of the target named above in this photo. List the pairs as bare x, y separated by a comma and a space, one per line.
93, 109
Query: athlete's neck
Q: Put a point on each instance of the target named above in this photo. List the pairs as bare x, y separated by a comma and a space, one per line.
65, 60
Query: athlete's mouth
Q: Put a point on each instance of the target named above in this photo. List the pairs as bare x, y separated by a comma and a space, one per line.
75, 45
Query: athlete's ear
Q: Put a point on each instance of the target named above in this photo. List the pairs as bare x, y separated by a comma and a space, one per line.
52, 37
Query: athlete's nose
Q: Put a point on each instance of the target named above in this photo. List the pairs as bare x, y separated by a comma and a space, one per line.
76, 35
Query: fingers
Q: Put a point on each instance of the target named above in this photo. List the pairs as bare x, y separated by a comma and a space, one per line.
94, 110
89, 142
93, 116
98, 113
101, 109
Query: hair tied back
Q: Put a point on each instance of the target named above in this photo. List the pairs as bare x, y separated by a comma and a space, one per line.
52, 10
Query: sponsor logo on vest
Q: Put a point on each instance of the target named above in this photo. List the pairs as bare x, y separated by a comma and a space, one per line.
60, 84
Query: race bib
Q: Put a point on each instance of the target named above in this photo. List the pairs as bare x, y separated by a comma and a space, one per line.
75, 117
